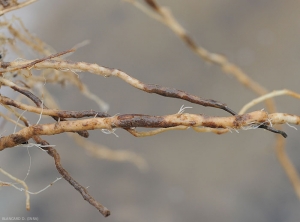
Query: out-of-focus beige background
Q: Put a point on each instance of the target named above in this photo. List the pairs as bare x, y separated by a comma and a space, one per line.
191, 176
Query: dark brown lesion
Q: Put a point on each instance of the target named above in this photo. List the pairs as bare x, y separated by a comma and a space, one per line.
18, 139
37, 129
189, 41
211, 124
179, 94
152, 4
5, 65
128, 121
138, 120
208, 121
240, 120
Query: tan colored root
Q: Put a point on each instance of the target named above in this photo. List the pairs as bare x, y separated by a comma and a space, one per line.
20, 182
156, 131
210, 130
268, 96
281, 118
162, 130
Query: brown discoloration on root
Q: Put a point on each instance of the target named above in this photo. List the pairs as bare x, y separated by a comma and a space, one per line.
189, 41
152, 4
28, 94
10, 102
4, 65
138, 120
240, 120
18, 139
84, 134
38, 129
179, 94
211, 124
13, 140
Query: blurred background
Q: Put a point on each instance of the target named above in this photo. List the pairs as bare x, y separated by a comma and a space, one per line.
190, 176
